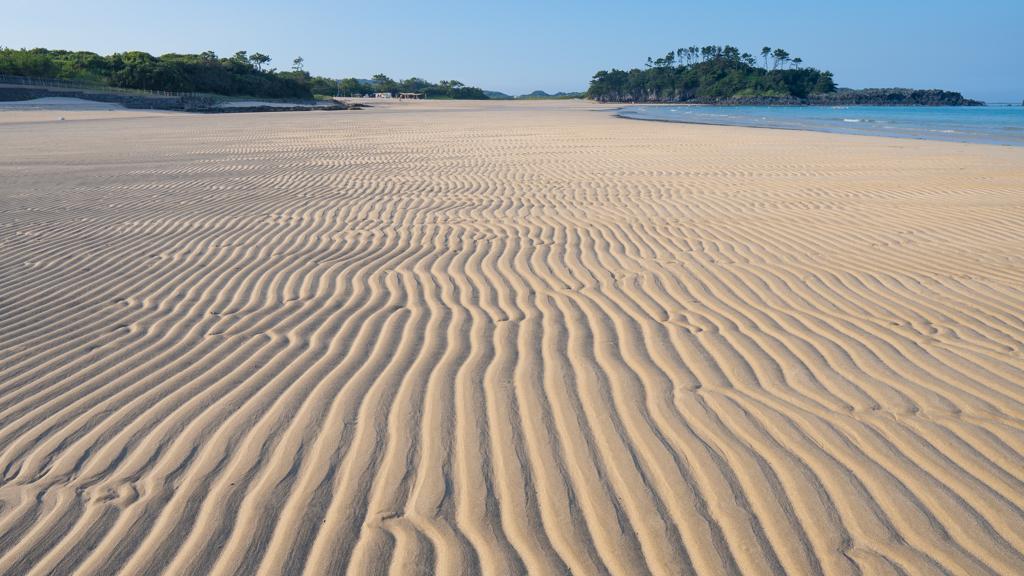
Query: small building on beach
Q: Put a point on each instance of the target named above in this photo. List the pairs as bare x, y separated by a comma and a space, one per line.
410, 96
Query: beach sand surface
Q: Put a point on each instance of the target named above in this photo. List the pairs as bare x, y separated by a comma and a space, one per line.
505, 338
59, 109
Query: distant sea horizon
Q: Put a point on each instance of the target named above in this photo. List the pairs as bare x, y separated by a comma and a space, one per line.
997, 123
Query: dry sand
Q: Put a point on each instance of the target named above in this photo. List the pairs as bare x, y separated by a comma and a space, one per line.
56, 109
506, 338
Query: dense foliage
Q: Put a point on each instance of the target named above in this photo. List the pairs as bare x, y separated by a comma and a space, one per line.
712, 73
241, 74
892, 97
380, 83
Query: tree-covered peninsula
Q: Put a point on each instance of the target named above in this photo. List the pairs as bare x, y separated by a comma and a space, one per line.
725, 75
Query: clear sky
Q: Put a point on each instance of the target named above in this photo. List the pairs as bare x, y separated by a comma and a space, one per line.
520, 46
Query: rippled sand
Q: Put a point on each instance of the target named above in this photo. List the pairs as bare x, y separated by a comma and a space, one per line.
504, 338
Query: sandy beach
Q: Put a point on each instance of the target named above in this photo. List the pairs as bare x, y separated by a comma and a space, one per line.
505, 338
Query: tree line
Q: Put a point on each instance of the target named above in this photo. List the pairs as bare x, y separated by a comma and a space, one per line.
711, 73
445, 89
241, 74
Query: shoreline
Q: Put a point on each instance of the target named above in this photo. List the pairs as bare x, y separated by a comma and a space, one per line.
821, 130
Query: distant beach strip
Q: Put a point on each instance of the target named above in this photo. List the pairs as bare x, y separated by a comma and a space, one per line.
1003, 125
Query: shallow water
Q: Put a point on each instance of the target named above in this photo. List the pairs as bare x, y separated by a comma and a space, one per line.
987, 125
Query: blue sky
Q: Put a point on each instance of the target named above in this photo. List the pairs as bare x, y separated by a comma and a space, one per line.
516, 47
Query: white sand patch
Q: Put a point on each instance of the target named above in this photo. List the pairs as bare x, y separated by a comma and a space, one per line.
58, 103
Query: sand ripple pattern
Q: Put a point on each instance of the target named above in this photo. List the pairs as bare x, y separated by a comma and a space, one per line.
459, 339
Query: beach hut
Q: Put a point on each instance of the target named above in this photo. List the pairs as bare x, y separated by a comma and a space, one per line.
410, 95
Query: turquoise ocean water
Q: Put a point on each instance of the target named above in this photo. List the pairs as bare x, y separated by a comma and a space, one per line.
996, 124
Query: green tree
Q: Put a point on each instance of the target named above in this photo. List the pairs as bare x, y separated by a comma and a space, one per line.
351, 87
779, 56
259, 60
381, 83
765, 52
297, 64
824, 84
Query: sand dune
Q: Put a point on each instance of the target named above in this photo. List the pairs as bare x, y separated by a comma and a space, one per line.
506, 338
